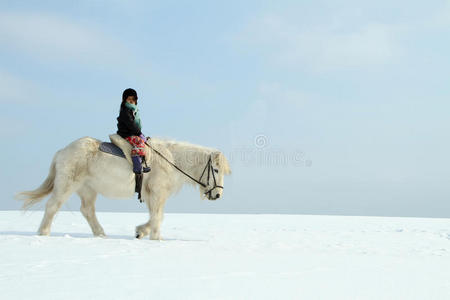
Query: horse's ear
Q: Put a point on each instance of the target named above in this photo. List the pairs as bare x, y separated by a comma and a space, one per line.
222, 162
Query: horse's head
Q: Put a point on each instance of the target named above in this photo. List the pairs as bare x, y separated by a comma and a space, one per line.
216, 168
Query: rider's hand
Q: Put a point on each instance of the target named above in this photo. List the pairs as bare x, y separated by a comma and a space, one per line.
142, 136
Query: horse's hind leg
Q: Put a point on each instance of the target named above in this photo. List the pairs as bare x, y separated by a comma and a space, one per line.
59, 195
88, 197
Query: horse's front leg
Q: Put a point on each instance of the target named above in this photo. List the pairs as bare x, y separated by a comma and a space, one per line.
156, 217
155, 204
143, 230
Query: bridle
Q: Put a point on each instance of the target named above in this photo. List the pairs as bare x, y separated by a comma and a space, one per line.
211, 170
208, 167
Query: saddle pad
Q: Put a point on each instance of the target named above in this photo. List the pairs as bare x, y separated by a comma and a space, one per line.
111, 149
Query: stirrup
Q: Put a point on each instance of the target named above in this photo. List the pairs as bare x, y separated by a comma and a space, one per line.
147, 168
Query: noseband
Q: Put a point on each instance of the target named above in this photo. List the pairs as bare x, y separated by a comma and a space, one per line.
208, 167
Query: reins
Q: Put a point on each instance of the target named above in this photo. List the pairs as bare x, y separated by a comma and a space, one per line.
207, 166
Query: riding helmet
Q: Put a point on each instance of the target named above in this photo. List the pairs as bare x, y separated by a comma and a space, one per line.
129, 92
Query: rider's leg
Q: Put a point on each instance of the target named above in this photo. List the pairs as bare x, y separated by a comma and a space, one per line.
137, 169
137, 164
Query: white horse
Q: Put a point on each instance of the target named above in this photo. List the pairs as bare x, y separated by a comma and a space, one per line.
82, 168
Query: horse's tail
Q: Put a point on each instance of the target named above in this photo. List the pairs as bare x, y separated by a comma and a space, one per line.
30, 198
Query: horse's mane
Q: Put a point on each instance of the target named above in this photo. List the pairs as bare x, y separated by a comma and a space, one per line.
182, 144
201, 153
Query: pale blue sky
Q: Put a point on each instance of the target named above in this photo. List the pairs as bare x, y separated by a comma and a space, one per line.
350, 99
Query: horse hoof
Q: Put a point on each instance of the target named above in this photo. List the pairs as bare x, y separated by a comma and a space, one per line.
139, 236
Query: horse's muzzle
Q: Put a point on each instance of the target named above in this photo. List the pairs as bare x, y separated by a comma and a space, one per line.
214, 197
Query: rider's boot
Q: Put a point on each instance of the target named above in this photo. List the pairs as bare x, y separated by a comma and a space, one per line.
138, 188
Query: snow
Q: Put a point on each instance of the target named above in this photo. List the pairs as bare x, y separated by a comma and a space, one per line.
226, 257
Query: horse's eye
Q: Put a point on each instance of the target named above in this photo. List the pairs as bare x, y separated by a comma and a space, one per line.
215, 170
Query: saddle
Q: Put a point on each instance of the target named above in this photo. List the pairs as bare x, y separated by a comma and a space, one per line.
121, 148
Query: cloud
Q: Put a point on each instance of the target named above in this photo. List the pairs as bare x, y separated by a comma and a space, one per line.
52, 37
276, 93
273, 111
320, 48
441, 19
17, 90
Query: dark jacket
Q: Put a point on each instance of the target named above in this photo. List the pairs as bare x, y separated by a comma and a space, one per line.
125, 123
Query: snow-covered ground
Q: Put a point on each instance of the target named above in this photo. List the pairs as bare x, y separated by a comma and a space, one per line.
226, 257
